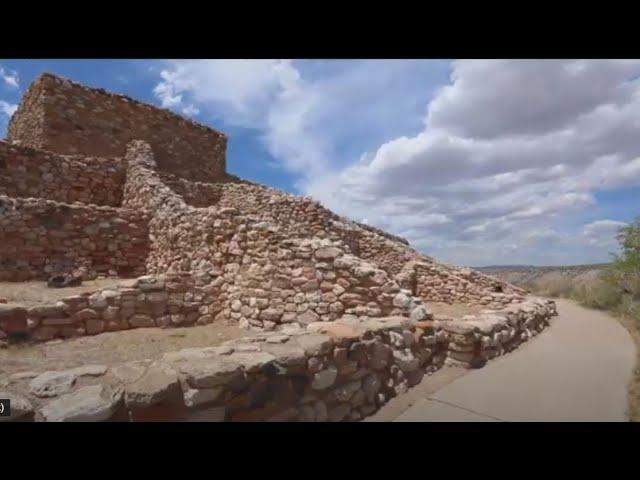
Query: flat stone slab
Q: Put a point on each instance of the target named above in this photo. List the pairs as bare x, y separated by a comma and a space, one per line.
158, 384
51, 384
195, 397
208, 373
315, 343
89, 370
131, 371
16, 377
86, 404
20, 406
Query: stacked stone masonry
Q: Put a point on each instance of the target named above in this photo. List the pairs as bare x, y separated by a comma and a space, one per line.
41, 238
65, 117
329, 371
25, 172
338, 311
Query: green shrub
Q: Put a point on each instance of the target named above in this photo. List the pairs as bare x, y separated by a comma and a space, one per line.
625, 269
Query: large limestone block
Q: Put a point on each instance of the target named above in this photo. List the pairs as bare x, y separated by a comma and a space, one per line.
158, 384
51, 384
87, 404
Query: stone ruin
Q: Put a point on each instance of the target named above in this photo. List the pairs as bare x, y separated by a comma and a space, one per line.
101, 184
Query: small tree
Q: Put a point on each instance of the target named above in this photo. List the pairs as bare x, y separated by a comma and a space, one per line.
625, 268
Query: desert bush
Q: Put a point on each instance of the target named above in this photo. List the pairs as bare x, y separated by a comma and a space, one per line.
618, 286
602, 295
625, 269
630, 307
562, 288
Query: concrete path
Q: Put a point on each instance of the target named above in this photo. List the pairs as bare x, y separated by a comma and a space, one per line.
576, 370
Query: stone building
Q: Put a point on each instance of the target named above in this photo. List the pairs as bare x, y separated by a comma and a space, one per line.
99, 184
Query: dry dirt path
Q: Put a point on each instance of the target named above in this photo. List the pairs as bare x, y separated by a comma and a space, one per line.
576, 370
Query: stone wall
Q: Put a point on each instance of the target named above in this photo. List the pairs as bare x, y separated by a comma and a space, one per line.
300, 217
195, 194
26, 172
42, 237
269, 273
328, 371
171, 300
437, 282
260, 234
68, 118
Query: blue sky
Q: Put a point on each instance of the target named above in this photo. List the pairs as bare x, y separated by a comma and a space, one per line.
475, 162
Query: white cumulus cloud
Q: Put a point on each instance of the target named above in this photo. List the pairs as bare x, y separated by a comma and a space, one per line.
10, 78
497, 165
7, 109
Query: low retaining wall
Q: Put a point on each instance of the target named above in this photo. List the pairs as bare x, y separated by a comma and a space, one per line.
169, 300
330, 371
39, 238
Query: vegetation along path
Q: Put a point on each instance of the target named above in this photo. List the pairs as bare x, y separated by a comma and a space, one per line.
576, 370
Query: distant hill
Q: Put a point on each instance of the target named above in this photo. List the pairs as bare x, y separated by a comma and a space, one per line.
546, 280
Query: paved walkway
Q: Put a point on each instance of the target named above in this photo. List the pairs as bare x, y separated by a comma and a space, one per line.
576, 370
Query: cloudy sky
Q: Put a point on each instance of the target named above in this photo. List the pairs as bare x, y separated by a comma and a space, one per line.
476, 162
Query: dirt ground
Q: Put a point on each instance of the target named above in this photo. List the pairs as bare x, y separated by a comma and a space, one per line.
112, 348
37, 293
456, 311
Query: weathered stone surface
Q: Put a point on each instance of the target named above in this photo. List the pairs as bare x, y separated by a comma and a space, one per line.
324, 378
287, 354
251, 362
272, 314
141, 321
131, 371
344, 392
94, 326
97, 300
195, 397
315, 344
402, 300
41, 311
307, 317
420, 313
13, 319
87, 404
89, 370
209, 373
379, 355
277, 339
86, 314
335, 330
158, 384
339, 412
16, 377
327, 253
51, 384
405, 360
21, 408
370, 386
